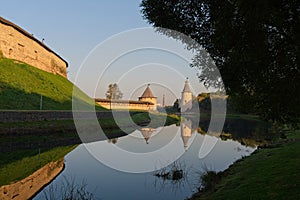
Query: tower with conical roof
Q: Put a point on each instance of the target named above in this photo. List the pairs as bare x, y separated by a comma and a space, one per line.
148, 96
186, 97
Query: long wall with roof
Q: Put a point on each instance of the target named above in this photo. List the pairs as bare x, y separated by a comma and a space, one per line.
16, 43
126, 105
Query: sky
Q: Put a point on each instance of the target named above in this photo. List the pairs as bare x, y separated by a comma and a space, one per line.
87, 34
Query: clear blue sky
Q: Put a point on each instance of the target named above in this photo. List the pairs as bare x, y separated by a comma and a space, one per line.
74, 28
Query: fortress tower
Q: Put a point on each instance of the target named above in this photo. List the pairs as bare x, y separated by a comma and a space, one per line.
186, 97
148, 96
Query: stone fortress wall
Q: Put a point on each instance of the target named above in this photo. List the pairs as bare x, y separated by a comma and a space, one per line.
126, 104
16, 43
146, 102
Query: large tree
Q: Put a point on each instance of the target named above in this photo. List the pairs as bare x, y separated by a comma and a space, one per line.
113, 92
254, 44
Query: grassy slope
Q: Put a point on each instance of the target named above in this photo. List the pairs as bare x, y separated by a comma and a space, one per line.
272, 173
21, 86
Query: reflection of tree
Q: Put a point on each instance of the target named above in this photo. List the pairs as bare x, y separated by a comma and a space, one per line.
113, 140
248, 132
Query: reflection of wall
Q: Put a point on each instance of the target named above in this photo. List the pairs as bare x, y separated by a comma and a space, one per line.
16, 43
186, 132
30, 185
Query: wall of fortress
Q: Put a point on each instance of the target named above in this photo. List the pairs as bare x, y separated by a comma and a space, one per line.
152, 100
127, 106
15, 43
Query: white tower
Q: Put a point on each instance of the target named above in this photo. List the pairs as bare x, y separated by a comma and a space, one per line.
186, 97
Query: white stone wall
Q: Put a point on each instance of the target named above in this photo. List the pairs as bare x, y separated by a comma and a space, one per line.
150, 99
125, 106
16, 45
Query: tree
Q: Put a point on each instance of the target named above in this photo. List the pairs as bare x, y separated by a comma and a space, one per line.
113, 92
176, 105
254, 44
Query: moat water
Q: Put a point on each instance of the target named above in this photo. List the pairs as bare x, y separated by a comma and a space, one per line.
107, 183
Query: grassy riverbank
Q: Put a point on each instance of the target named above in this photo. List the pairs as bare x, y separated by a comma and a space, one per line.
269, 173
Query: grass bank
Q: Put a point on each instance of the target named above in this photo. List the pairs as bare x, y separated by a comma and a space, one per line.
22, 85
269, 173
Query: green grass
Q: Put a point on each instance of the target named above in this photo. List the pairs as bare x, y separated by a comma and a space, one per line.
15, 166
271, 173
21, 86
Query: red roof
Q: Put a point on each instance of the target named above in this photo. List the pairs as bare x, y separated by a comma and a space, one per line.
148, 93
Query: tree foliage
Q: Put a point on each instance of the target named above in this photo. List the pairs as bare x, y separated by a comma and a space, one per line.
254, 44
113, 92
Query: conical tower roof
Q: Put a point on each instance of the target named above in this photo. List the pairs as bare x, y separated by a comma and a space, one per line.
148, 93
186, 86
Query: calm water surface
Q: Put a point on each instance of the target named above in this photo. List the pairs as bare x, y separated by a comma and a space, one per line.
107, 183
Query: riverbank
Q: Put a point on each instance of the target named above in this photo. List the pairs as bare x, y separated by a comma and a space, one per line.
269, 173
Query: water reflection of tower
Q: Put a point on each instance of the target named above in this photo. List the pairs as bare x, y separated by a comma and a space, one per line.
147, 132
186, 132
186, 97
